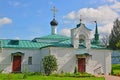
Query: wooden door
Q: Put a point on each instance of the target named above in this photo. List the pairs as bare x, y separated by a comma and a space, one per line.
81, 64
16, 64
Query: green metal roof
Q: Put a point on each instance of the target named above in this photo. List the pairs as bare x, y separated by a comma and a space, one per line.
81, 51
50, 40
55, 36
78, 25
97, 46
5, 43
40, 42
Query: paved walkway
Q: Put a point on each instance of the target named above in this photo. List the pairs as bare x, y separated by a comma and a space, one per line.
110, 77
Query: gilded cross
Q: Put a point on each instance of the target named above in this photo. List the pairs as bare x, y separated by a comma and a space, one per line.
80, 18
54, 11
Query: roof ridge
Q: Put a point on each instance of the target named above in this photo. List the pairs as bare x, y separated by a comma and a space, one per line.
16, 39
51, 36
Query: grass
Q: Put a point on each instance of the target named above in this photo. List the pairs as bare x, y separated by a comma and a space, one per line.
11, 76
20, 76
62, 78
39, 77
116, 69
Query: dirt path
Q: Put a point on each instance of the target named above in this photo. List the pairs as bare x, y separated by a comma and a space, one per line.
110, 77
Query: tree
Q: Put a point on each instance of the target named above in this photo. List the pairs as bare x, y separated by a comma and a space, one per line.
105, 40
49, 64
115, 35
118, 44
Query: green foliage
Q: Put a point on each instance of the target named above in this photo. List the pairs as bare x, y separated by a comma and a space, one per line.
68, 74
115, 35
63, 78
118, 44
116, 69
1, 71
11, 76
25, 73
112, 72
62, 72
75, 70
51, 77
49, 64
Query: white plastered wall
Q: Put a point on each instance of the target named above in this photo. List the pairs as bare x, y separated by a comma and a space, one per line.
100, 62
66, 58
6, 60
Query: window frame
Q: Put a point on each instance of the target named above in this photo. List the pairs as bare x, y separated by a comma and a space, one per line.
30, 60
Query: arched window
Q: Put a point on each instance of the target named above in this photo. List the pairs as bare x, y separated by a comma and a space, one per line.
82, 40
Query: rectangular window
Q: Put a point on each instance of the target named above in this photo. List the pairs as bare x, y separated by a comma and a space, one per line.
30, 60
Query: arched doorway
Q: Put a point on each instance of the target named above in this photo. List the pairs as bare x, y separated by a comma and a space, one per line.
16, 61
81, 65
82, 60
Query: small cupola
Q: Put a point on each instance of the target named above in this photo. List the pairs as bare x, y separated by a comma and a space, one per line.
54, 22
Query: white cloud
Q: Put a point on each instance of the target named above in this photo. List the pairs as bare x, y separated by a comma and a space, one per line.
12, 3
5, 20
66, 22
111, 1
105, 15
108, 1
71, 15
18, 4
116, 6
105, 29
65, 31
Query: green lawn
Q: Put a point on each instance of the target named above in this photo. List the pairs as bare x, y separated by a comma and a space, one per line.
116, 69
38, 77
62, 78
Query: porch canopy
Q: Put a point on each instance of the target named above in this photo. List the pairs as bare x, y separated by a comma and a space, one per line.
17, 54
84, 53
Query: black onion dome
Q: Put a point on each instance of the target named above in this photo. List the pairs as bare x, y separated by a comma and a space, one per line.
54, 22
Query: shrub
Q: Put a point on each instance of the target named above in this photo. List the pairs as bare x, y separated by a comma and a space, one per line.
55, 75
67, 74
49, 64
75, 70
62, 72
112, 72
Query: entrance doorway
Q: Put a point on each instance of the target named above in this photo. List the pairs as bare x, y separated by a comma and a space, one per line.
16, 67
81, 64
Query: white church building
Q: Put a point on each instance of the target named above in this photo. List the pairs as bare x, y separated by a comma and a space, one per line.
75, 51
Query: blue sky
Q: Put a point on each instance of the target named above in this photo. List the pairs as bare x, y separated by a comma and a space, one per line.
27, 19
